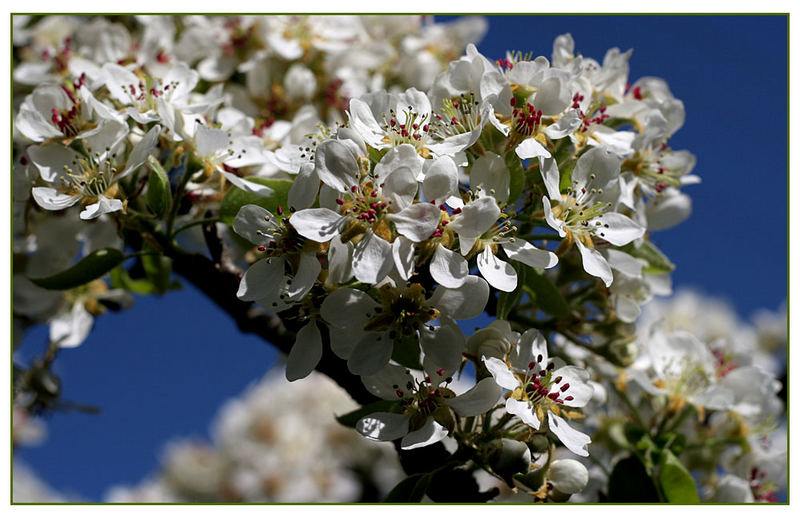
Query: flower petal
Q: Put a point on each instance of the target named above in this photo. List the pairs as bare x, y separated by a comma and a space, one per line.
383, 426
71, 328
465, 302
617, 228
579, 388
102, 206
476, 217
430, 433
448, 268
523, 411
524, 252
595, 264
305, 354
347, 308
261, 280
500, 274
372, 258
574, 440
441, 179
482, 397
52, 200
417, 222
252, 219
319, 224
502, 375
403, 255
370, 354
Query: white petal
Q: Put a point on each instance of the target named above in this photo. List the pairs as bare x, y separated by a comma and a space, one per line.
141, 151
246, 185
441, 179
209, 141
597, 162
417, 222
319, 225
476, 217
490, 173
252, 219
551, 177
363, 121
623, 262
388, 381
403, 255
430, 433
465, 302
523, 411
343, 340
307, 273
305, 354
443, 347
347, 308
336, 165
102, 206
448, 268
500, 274
52, 200
617, 228
531, 148
261, 279
304, 187
383, 426
370, 354
667, 211
402, 156
477, 400
50, 160
400, 188
524, 252
568, 124
574, 440
372, 258
551, 220
71, 328
502, 375
594, 264
579, 388
340, 261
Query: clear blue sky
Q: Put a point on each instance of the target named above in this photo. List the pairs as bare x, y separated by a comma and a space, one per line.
162, 369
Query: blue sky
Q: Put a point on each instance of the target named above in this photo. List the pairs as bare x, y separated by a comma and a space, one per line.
162, 369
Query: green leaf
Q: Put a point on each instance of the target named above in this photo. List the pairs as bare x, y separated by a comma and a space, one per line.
507, 301
91, 267
158, 269
159, 195
546, 295
517, 177
351, 418
629, 482
657, 262
675, 481
120, 279
409, 490
565, 174
236, 198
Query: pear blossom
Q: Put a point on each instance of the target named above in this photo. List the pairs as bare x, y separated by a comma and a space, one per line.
539, 390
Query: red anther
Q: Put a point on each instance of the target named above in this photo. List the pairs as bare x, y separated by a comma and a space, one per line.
403, 126
415, 126
453, 120
539, 358
23, 160
427, 378
564, 387
273, 244
513, 101
660, 171
542, 373
558, 379
445, 222
437, 233
456, 105
443, 207
431, 393
280, 211
637, 92
162, 57
553, 396
373, 194
262, 248
399, 394
404, 133
416, 136
531, 364
340, 201
568, 399
383, 205
424, 128
440, 371
551, 366
353, 188
603, 109
457, 210
661, 186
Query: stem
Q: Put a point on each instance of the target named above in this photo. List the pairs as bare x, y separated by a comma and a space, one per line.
194, 224
631, 407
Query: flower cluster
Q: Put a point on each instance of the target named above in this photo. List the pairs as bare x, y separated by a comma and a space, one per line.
382, 181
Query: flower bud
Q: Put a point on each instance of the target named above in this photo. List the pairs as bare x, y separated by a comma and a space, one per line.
567, 477
509, 457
